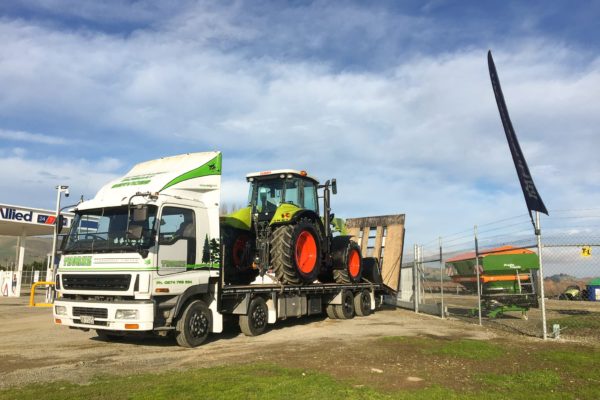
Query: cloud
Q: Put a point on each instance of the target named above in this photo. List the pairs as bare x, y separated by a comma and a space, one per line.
403, 131
21, 136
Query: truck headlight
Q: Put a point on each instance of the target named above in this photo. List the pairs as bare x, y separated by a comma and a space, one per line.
126, 314
60, 310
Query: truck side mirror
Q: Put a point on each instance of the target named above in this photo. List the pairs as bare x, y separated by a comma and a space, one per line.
333, 186
135, 232
140, 214
60, 223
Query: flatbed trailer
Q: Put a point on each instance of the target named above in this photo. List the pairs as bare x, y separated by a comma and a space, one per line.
147, 254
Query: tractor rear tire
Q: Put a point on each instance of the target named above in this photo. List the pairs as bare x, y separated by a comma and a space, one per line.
346, 309
362, 303
238, 248
194, 324
255, 323
347, 262
296, 253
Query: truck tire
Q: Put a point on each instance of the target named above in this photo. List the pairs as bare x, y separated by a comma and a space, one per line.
194, 324
362, 303
347, 261
330, 309
296, 252
346, 309
255, 323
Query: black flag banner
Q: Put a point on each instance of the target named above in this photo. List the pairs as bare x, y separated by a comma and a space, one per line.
532, 197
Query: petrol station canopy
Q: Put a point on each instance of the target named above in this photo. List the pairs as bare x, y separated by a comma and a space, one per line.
27, 221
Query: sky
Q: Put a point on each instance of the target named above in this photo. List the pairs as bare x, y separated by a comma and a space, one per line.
391, 98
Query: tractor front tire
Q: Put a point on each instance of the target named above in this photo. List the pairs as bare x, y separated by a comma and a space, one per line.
347, 262
296, 252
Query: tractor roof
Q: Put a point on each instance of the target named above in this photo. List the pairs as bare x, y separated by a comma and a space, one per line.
279, 172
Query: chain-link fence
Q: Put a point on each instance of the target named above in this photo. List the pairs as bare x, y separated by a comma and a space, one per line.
489, 274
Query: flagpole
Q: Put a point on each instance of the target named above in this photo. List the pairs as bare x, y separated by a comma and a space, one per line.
538, 234
478, 276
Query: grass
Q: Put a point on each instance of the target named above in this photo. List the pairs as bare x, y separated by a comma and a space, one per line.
461, 348
578, 325
496, 371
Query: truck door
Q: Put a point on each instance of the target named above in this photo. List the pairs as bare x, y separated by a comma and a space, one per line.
176, 239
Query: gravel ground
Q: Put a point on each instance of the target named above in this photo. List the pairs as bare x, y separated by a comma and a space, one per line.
35, 350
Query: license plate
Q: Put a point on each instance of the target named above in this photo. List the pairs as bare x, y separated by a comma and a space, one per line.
87, 319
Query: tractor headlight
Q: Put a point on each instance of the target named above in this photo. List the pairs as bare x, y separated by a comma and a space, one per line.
126, 314
60, 310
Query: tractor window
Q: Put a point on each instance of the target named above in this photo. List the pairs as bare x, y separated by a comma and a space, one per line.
310, 196
269, 195
292, 192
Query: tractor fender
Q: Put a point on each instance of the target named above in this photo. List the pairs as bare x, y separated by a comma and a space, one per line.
311, 215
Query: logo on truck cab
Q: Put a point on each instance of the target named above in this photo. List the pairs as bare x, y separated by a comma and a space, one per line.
78, 261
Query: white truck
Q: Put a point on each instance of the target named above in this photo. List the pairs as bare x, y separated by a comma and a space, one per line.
149, 253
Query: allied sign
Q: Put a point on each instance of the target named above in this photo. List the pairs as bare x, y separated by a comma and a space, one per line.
30, 216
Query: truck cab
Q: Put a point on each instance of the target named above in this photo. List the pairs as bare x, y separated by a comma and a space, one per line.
146, 245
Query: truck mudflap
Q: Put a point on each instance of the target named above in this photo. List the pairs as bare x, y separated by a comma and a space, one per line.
118, 316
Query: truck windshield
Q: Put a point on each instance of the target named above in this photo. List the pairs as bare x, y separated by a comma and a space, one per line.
105, 230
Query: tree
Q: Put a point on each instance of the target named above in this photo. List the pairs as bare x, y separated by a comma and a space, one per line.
206, 251
215, 251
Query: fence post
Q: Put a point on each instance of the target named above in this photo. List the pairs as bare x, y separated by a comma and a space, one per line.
538, 233
478, 279
441, 278
416, 278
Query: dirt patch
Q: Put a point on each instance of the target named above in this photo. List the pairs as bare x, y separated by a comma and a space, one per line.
357, 350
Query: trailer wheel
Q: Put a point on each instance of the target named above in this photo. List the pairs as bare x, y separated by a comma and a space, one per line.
330, 309
296, 252
362, 303
347, 260
194, 325
255, 322
346, 309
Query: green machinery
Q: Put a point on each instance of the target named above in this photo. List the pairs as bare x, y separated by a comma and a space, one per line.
506, 278
285, 230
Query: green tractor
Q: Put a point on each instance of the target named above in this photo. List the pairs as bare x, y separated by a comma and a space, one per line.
281, 230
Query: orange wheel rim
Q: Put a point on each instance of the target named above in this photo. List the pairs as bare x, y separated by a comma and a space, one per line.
306, 252
354, 263
238, 249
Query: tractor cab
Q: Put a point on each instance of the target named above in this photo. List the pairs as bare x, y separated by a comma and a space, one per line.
277, 195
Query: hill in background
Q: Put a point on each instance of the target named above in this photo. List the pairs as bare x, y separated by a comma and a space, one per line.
36, 249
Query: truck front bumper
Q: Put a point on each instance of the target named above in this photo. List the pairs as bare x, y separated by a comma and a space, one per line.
135, 315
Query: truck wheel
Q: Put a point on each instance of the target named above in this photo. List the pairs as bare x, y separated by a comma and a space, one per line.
362, 303
346, 309
296, 252
331, 311
255, 322
347, 262
194, 325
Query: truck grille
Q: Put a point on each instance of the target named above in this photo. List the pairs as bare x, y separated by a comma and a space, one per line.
90, 311
96, 282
